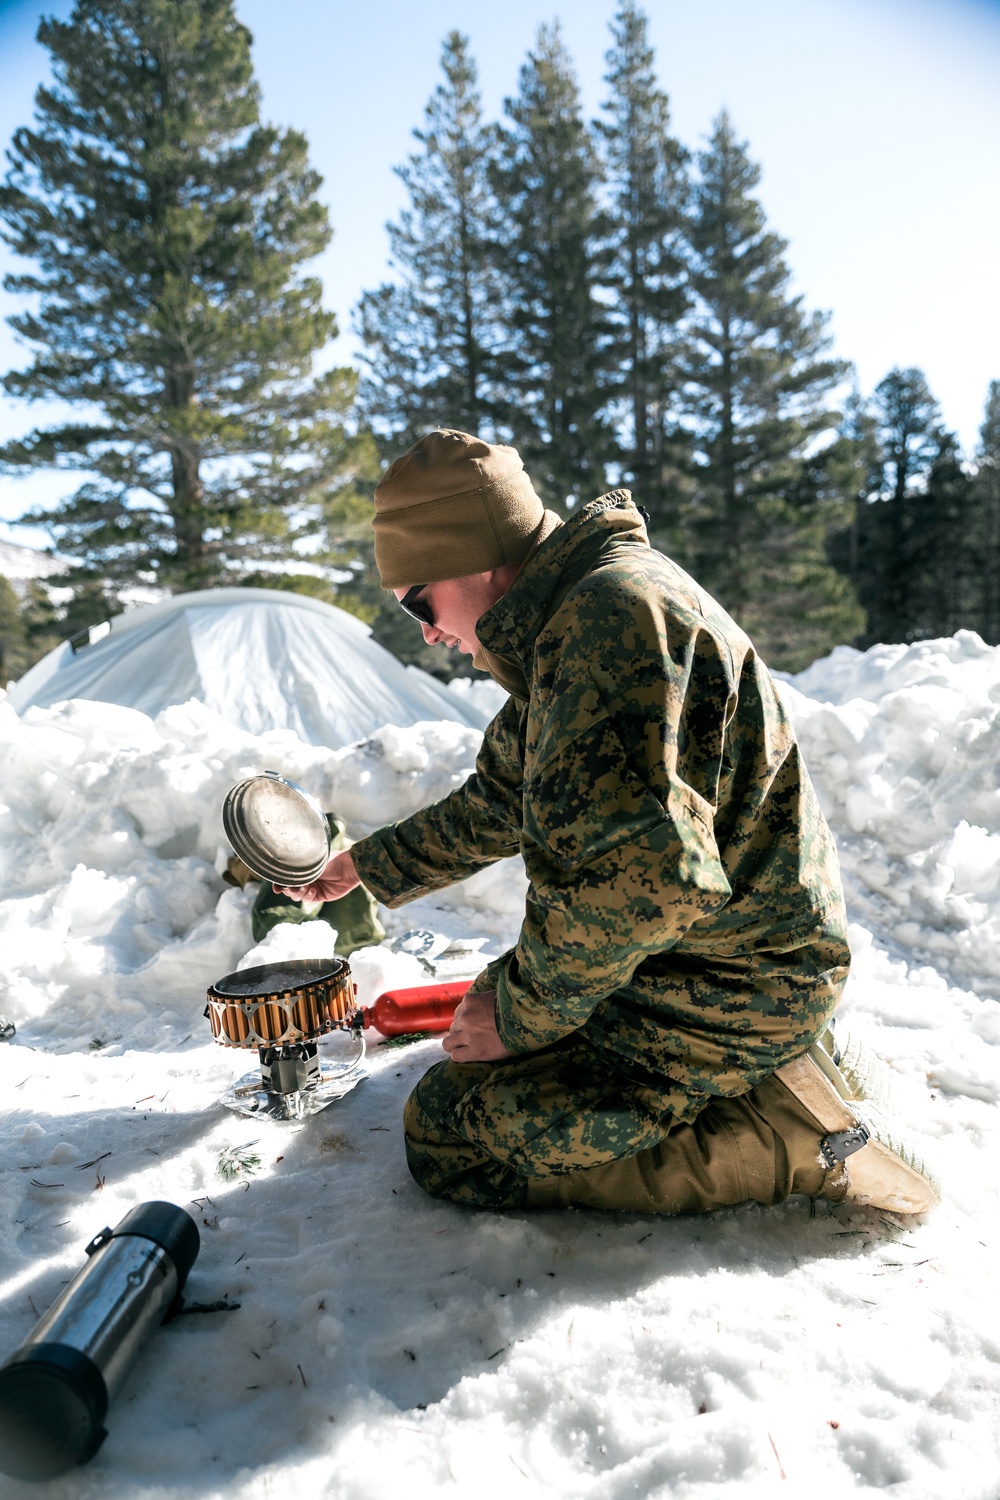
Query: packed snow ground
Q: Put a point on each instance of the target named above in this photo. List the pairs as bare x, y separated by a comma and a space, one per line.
387, 1344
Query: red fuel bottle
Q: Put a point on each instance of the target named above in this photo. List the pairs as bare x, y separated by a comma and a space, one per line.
428, 1007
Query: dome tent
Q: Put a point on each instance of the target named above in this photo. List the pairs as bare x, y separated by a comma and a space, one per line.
262, 658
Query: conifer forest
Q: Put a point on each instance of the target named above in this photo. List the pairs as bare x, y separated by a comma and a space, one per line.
608, 298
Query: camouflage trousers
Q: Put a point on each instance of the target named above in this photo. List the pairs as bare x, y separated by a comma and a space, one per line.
560, 1126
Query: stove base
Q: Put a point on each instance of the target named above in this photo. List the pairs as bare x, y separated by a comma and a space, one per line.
248, 1095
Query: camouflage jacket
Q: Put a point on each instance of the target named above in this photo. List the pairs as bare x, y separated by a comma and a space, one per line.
685, 910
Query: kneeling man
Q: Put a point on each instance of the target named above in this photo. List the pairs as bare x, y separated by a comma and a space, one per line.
661, 1037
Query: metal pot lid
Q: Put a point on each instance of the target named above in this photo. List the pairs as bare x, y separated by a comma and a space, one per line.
281, 977
277, 829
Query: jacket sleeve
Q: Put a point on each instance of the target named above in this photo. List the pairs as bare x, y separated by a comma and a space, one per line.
618, 840
477, 824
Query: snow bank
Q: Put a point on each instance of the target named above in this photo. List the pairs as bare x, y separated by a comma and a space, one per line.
904, 746
112, 848
389, 1344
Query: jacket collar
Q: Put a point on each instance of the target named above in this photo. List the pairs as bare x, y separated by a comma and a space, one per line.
509, 630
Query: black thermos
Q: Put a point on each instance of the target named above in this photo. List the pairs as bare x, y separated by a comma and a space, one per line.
55, 1390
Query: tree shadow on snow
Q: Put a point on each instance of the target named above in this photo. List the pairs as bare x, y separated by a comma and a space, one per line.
355, 1286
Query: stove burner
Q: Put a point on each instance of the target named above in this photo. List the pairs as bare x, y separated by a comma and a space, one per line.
287, 1070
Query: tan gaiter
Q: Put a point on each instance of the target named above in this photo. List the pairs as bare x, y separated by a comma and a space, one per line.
761, 1147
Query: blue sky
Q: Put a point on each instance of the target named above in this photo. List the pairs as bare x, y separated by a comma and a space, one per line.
876, 122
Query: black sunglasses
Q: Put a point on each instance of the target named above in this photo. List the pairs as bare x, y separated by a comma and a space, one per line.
417, 608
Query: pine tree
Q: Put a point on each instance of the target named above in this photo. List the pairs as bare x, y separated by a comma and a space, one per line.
644, 171
985, 534
428, 338
169, 228
554, 330
13, 636
893, 518
857, 457
44, 625
758, 383
28, 627
802, 604
945, 566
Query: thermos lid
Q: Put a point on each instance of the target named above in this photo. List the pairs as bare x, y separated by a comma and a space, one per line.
53, 1402
277, 829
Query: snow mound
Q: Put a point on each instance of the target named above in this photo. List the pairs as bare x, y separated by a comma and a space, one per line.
390, 1344
112, 848
903, 744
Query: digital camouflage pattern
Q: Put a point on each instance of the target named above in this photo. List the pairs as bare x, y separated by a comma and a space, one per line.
685, 918
684, 930
560, 1127
478, 1133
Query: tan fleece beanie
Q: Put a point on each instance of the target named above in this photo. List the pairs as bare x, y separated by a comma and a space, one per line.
451, 506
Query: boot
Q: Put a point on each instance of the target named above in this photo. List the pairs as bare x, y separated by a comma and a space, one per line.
846, 1088
797, 1132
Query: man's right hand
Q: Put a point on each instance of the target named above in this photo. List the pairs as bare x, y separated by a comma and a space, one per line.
337, 880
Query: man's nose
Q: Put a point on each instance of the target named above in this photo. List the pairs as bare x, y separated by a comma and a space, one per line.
431, 634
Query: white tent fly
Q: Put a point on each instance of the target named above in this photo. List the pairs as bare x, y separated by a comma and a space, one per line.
261, 658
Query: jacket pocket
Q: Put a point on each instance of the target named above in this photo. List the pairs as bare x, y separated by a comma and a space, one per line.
585, 800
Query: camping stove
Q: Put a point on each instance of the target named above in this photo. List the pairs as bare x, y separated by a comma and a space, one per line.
283, 1009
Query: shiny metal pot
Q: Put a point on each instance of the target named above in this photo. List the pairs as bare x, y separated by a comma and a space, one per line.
278, 830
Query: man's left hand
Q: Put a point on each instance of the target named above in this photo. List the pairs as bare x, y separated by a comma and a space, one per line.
473, 1035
